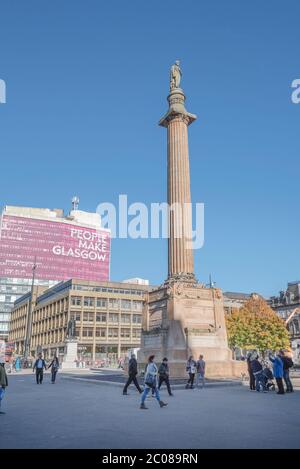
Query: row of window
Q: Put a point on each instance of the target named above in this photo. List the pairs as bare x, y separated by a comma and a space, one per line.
112, 333
4, 317
102, 317
120, 291
103, 302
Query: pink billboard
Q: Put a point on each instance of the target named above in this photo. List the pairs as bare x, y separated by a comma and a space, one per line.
62, 250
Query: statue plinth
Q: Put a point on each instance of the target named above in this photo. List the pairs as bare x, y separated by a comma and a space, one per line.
182, 319
70, 357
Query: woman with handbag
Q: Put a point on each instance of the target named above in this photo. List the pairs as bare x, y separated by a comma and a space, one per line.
151, 383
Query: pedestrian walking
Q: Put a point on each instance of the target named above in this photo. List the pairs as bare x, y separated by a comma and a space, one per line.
250, 373
163, 375
39, 367
3, 382
151, 383
191, 368
132, 374
257, 370
17, 364
277, 371
54, 365
287, 364
200, 367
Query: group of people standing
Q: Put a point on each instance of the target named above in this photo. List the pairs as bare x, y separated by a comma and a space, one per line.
260, 376
197, 368
155, 376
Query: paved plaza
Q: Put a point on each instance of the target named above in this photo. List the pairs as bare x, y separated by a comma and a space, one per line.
75, 413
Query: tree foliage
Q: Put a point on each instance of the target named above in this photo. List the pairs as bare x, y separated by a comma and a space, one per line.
256, 326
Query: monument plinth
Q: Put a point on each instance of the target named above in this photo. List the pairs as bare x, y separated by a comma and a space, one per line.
70, 357
182, 317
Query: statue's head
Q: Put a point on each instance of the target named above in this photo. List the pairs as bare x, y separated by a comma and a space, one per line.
177, 62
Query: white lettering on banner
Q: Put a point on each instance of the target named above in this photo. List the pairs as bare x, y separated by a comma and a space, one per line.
83, 254
88, 236
92, 246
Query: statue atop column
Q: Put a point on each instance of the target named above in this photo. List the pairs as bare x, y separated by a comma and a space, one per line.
175, 75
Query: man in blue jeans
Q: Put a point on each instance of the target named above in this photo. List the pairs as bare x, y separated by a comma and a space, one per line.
257, 369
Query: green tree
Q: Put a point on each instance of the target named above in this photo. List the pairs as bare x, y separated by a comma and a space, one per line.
256, 326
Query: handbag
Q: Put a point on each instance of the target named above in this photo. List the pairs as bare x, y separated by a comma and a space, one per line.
150, 381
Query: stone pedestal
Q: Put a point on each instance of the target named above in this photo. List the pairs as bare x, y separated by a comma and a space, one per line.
70, 357
183, 319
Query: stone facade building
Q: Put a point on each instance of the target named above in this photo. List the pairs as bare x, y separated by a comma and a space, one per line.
287, 306
108, 318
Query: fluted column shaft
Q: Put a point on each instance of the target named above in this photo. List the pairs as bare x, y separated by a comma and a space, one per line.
180, 254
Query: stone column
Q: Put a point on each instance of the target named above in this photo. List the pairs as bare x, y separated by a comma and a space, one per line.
180, 253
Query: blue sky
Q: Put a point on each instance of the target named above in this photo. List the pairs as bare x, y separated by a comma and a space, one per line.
86, 85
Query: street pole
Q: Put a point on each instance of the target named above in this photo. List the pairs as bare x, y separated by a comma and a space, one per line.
29, 316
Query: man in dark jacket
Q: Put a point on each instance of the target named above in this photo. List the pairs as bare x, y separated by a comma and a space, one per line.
257, 368
3, 382
163, 375
132, 372
39, 367
250, 372
287, 364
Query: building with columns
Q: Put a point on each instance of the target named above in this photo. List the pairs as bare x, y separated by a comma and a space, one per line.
108, 318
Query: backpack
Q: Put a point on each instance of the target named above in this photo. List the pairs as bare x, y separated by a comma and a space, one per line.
288, 362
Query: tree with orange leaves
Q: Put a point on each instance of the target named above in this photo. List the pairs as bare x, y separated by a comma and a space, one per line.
256, 326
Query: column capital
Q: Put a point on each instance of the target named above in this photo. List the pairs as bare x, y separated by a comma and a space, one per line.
177, 109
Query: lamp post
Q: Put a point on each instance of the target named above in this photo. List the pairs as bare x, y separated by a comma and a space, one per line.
29, 316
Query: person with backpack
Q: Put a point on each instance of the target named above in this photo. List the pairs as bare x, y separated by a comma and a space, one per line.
151, 383
39, 367
278, 371
191, 369
287, 364
54, 365
3, 382
163, 375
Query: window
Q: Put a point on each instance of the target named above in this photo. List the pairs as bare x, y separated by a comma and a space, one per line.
76, 300
137, 305
125, 304
125, 318
113, 303
136, 333
77, 332
125, 333
100, 332
89, 301
113, 332
88, 317
87, 333
100, 317
113, 317
137, 319
101, 302
75, 315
